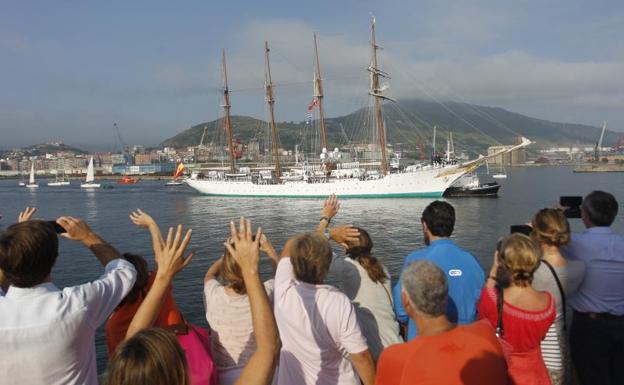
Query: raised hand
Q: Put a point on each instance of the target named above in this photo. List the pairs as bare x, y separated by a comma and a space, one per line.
344, 234
142, 219
169, 256
267, 248
75, 228
331, 207
26, 214
243, 247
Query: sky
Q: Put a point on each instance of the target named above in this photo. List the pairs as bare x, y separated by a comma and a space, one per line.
69, 69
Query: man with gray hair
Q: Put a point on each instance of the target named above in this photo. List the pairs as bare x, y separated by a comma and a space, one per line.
443, 352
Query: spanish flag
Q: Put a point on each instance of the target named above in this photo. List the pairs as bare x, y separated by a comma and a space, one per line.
179, 171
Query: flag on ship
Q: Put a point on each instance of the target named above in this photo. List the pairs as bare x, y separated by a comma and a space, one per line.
311, 106
179, 171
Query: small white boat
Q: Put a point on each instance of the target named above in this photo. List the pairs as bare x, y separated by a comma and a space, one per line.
90, 177
174, 183
62, 181
177, 174
499, 176
31, 180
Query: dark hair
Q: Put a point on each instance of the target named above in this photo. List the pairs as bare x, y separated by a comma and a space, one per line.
440, 218
28, 251
600, 207
362, 253
140, 264
311, 257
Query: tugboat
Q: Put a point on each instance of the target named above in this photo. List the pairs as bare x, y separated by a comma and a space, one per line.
470, 186
127, 180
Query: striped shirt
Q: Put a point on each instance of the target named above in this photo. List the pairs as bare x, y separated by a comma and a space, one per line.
555, 344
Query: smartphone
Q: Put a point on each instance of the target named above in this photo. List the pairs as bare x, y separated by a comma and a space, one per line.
570, 201
572, 206
57, 228
522, 229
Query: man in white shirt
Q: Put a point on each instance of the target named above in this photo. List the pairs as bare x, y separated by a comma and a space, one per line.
322, 343
48, 334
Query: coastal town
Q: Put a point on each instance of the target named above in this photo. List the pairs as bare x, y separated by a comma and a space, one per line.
53, 158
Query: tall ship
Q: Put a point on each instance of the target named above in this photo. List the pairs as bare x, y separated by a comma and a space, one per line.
375, 178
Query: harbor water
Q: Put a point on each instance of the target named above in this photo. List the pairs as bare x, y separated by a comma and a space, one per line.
394, 224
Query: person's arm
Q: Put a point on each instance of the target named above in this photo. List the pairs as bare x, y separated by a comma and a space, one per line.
142, 219
267, 248
26, 214
170, 260
213, 270
330, 209
260, 368
364, 366
78, 230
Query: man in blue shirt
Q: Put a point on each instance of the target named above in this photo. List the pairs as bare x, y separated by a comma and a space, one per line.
597, 333
464, 274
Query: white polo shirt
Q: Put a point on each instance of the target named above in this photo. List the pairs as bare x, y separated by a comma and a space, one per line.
48, 335
318, 328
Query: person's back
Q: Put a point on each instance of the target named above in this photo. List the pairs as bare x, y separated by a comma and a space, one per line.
312, 320
597, 331
48, 334
322, 343
465, 355
366, 282
463, 272
602, 289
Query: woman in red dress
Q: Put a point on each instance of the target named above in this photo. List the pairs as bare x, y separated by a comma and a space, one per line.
526, 313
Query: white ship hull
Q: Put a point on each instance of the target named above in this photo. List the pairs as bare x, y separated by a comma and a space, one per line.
423, 183
58, 184
90, 185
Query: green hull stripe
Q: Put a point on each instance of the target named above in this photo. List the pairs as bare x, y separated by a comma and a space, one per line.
403, 195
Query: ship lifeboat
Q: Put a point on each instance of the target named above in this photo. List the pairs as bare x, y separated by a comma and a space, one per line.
127, 180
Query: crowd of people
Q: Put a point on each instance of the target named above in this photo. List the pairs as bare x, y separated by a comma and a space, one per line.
549, 311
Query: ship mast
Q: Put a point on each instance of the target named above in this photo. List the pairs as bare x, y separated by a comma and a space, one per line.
376, 91
318, 94
268, 85
227, 121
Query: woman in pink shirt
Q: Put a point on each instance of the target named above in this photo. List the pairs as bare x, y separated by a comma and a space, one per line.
322, 343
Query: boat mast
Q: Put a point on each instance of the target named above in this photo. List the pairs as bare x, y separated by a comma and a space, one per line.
376, 92
599, 143
318, 94
268, 85
226, 117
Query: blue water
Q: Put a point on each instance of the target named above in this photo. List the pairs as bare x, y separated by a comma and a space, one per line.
394, 224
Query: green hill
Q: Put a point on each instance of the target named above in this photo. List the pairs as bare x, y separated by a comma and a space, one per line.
474, 127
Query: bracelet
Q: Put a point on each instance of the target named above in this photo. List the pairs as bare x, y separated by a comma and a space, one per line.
325, 218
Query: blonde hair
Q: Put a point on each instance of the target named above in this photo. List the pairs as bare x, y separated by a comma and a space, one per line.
150, 357
231, 273
519, 257
310, 257
550, 227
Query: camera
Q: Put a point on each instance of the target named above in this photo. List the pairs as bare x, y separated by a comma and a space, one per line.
57, 228
522, 229
572, 206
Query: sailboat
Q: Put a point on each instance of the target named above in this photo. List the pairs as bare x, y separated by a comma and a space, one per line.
90, 177
330, 176
62, 181
177, 174
502, 174
31, 180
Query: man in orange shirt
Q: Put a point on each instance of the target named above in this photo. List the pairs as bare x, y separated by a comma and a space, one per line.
442, 353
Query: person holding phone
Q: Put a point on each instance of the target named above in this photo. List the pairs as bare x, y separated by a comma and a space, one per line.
560, 277
48, 334
521, 314
597, 331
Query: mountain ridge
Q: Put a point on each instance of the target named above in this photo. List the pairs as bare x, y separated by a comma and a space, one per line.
410, 121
